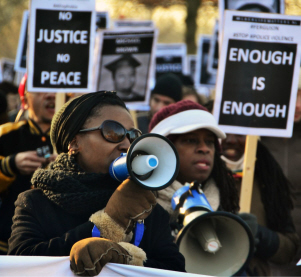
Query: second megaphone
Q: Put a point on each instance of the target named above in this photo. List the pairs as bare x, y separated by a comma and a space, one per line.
151, 161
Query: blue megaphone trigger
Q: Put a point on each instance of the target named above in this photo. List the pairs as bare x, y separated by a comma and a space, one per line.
190, 196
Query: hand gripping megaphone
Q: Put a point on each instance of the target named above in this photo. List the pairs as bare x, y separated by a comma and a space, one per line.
213, 243
152, 161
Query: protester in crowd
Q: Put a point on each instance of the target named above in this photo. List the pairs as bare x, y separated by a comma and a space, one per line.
189, 93
76, 195
12, 97
195, 134
168, 90
3, 108
18, 155
271, 205
287, 151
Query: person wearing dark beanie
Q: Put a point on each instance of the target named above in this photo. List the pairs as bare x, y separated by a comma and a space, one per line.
77, 209
168, 90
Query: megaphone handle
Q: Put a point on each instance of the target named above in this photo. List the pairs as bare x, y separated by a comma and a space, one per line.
139, 231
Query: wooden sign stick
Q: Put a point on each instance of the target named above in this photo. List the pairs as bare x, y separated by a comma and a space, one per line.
248, 174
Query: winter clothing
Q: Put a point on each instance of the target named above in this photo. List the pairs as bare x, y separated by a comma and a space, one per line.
272, 246
65, 182
183, 117
287, 152
94, 253
169, 85
15, 138
143, 120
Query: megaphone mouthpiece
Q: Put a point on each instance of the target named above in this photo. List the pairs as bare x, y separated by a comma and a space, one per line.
143, 164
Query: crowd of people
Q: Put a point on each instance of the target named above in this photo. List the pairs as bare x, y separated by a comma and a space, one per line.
58, 199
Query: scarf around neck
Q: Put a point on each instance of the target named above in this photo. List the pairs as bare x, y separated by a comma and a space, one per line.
74, 190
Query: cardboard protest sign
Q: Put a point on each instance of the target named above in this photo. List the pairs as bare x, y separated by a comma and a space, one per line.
258, 74
102, 20
126, 23
171, 57
124, 63
61, 43
7, 72
20, 62
202, 76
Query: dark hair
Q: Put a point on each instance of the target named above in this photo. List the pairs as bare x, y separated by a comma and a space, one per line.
229, 199
111, 99
274, 186
74, 114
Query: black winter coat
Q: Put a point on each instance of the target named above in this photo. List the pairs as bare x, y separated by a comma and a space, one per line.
41, 228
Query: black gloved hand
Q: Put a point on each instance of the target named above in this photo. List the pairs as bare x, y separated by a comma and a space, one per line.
266, 241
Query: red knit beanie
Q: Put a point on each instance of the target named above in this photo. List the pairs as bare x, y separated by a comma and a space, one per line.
172, 109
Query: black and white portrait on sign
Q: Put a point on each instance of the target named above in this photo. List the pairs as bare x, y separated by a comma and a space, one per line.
124, 63
202, 76
126, 74
7, 70
266, 6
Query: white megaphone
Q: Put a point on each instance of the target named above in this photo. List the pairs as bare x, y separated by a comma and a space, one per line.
213, 243
152, 161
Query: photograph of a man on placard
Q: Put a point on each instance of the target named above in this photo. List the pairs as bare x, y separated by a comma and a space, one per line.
267, 6
125, 74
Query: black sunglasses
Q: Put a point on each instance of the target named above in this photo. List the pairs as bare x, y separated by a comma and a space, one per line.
112, 131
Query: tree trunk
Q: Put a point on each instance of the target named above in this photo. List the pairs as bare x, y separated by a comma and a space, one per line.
191, 26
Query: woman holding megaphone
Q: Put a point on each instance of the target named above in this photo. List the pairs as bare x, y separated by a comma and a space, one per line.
228, 243
77, 209
195, 134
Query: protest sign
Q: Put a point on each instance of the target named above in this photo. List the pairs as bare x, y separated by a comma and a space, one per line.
258, 74
266, 6
171, 57
61, 43
20, 62
102, 20
126, 23
191, 66
124, 62
203, 78
7, 72
212, 64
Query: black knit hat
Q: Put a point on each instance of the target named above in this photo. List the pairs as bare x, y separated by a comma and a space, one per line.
70, 118
170, 85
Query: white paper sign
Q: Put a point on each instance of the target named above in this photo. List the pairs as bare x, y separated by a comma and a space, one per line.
258, 74
124, 63
203, 78
61, 43
126, 23
171, 57
21, 266
20, 62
